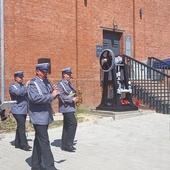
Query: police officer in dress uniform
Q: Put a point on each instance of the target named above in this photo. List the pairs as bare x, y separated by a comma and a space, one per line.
41, 94
18, 92
67, 108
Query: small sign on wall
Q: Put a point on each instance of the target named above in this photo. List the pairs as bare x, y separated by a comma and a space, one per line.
99, 49
128, 45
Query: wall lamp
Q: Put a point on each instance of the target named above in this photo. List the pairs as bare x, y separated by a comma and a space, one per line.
115, 26
85, 3
141, 12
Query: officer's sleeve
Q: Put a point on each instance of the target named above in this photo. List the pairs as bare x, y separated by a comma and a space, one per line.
63, 95
13, 90
34, 95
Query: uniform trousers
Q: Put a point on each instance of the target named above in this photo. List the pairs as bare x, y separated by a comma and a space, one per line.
41, 150
69, 129
20, 136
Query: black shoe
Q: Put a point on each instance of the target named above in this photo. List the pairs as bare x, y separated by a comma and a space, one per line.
73, 148
17, 146
26, 148
68, 149
35, 168
29, 147
38, 168
41, 168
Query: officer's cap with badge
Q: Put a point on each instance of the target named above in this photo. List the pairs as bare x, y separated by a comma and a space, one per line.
43, 67
19, 74
66, 71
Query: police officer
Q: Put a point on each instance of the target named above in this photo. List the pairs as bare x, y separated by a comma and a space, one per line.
41, 94
67, 108
18, 92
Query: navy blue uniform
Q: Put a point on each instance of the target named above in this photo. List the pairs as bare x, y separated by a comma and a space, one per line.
40, 110
19, 110
68, 109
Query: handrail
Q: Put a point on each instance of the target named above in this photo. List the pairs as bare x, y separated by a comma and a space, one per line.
150, 85
159, 64
148, 66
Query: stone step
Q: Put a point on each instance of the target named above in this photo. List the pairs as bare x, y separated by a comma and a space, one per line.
121, 115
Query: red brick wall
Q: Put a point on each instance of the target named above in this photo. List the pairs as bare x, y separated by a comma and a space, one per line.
152, 31
67, 32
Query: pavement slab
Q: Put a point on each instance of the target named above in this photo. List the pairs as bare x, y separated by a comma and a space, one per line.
134, 143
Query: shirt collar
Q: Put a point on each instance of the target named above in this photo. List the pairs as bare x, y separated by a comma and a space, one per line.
65, 81
39, 78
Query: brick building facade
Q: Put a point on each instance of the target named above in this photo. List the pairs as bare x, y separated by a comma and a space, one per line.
68, 32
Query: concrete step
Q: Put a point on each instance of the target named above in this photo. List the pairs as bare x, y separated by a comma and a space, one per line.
121, 115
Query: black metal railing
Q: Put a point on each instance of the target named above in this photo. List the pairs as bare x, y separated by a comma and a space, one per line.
149, 85
159, 65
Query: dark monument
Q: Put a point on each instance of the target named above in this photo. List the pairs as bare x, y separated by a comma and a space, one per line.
116, 87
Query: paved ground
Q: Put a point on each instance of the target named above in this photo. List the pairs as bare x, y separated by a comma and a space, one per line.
135, 143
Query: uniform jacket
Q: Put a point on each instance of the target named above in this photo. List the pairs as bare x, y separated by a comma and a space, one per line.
65, 88
18, 92
40, 99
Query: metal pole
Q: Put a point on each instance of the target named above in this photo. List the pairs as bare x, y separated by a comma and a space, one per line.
2, 51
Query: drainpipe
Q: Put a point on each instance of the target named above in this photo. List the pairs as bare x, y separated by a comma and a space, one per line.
2, 51
76, 29
134, 30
